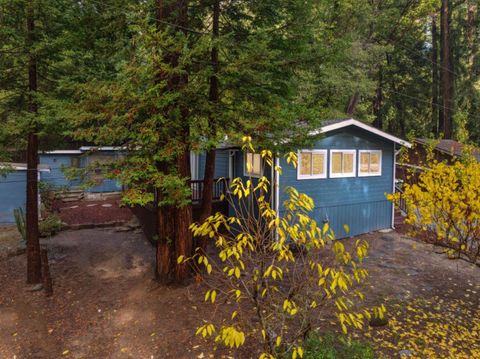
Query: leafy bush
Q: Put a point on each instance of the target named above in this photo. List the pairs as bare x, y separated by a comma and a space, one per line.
47, 192
443, 206
50, 225
334, 346
280, 271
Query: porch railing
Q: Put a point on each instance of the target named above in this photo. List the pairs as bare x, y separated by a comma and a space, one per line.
220, 186
401, 204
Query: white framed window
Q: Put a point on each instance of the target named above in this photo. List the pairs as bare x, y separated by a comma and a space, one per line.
312, 164
343, 163
369, 163
252, 165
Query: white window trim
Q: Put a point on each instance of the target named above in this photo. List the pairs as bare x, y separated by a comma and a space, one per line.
253, 175
299, 164
370, 174
343, 175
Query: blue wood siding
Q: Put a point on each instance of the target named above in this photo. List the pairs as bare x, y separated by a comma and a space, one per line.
221, 164
358, 202
107, 185
57, 178
12, 194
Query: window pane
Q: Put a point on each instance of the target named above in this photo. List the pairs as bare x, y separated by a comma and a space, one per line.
249, 163
305, 164
347, 162
364, 159
318, 163
257, 164
336, 162
374, 162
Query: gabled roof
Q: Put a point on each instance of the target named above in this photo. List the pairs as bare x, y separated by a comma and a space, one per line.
102, 148
332, 125
23, 166
61, 152
83, 149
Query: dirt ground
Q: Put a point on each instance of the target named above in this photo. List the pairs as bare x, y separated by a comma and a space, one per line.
106, 304
84, 212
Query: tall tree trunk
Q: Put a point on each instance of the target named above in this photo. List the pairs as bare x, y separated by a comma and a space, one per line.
183, 238
447, 77
378, 101
174, 236
352, 104
165, 263
34, 268
472, 13
435, 99
207, 195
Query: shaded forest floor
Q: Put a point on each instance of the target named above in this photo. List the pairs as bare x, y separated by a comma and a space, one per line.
106, 304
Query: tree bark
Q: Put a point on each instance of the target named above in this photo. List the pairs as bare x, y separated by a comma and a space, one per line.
435, 99
208, 177
174, 236
183, 239
34, 269
352, 104
165, 264
447, 75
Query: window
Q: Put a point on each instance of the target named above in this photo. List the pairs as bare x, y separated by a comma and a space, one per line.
312, 164
252, 166
342, 163
370, 163
75, 162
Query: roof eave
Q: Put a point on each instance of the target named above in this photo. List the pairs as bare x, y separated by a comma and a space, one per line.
353, 122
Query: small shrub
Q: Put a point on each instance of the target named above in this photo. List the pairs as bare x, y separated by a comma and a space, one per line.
50, 226
334, 346
279, 271
443, 206
47, 192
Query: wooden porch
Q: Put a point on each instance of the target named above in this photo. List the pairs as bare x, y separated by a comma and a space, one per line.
220, 187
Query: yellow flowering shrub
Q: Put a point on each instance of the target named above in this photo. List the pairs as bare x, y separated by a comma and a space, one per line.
277, 275
443, 206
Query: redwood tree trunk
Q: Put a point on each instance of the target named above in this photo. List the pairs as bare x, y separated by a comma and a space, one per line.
446, 72
174, 236
352, 104
183, 238
34, 266
208, 177
435, 99
165, 230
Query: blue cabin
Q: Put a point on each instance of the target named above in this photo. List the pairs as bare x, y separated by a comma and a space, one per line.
83, 157
13, 185
347, 173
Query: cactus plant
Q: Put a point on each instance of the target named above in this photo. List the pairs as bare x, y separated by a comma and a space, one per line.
20, 222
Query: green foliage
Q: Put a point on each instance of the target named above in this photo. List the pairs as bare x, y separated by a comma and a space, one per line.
50, 225
335, 346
